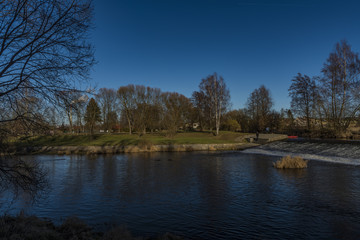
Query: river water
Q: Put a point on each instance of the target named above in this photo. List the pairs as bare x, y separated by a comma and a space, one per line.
217, 195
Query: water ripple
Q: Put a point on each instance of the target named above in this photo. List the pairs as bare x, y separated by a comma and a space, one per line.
207, 195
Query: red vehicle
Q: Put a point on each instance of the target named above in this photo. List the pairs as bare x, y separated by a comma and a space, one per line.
292, 137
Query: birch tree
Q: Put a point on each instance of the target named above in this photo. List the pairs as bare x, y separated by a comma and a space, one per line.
217, 95
340, 86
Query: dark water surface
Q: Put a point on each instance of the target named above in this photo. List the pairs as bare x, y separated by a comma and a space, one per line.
230, 195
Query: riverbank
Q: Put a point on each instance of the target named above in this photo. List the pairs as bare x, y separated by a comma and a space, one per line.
226, 142
31, 227
67, 150
124, 139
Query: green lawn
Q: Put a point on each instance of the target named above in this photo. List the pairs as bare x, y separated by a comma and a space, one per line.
126, 139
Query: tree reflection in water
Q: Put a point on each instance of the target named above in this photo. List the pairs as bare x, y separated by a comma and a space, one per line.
203, 195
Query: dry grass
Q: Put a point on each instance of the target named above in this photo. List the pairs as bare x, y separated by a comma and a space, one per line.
291, 162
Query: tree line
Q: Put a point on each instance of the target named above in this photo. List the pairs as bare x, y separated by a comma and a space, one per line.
141, 109
38, 101
330, 103
327, 105
324, 106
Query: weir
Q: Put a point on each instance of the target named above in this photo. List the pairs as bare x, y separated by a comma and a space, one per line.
347, 152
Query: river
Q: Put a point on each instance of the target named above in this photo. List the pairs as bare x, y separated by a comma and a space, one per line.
198, 195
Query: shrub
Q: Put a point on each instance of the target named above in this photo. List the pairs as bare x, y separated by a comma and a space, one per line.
291, 162
231, 125
144, 143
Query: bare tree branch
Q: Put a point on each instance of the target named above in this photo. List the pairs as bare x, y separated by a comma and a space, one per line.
44, 50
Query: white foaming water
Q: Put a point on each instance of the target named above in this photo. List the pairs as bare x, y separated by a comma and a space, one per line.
345, 153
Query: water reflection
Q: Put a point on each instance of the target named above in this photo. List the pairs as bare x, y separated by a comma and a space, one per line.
292, 174
22, 179
204, 195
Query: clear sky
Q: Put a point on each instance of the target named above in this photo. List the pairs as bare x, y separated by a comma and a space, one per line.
173, 44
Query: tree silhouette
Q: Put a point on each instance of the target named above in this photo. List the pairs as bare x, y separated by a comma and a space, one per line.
303, 95
339, 87
43, 51
259, 107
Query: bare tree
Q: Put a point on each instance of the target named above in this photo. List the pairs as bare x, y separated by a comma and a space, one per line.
140, 104
176, 112
146, 113
32, 111
72, 102
340, 86
42, 47
108, 102
259, 107
112, 121
80, 109
218, 96
203, 113
126, 95
304, 96
43, 50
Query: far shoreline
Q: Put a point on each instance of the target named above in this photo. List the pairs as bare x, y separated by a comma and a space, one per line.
240, 143
86, 150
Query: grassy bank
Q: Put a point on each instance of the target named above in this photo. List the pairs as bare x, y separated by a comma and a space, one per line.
127, 140
30, 227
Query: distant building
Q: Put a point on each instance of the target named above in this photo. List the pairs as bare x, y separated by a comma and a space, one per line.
195, 125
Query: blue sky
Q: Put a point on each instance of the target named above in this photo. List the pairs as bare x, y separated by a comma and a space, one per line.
173, 44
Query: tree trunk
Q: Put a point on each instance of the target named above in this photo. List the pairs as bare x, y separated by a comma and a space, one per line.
129, 126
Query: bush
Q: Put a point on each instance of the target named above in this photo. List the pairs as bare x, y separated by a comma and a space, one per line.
231, 125
291, 162
144, 143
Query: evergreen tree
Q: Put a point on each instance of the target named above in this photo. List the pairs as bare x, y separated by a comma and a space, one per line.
92, 115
